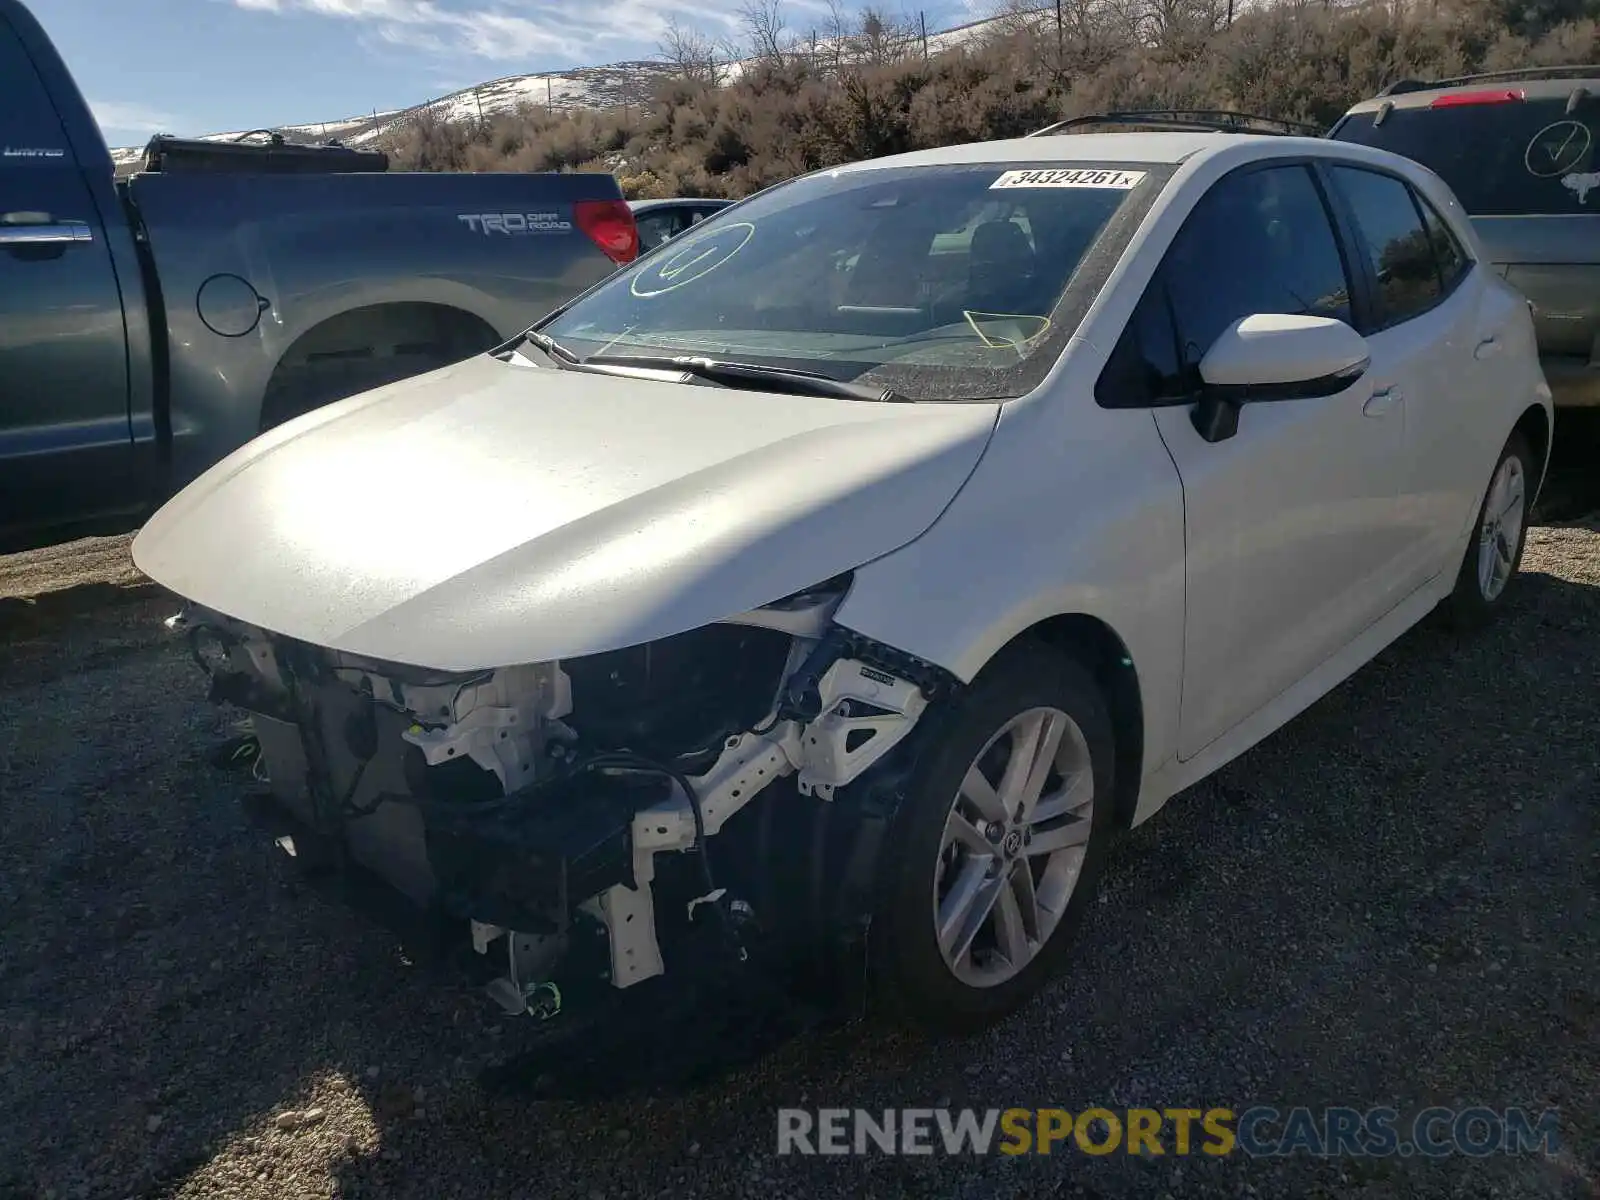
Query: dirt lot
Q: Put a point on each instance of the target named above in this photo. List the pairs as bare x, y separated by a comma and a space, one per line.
1395, 901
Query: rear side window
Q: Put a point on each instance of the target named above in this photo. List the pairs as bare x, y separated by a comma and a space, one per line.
1258, 242
1398, 248
1519, 157
1447, 251
30, 131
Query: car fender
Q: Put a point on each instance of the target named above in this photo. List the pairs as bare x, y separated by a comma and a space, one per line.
1073, 510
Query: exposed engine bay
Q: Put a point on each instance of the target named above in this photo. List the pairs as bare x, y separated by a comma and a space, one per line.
551, 806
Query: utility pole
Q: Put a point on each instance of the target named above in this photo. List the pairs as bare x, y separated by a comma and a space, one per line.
549, 97
1061, 36
479, 99
922, 21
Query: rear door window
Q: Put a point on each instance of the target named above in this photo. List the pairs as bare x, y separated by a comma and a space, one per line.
1518, 157
1398, 248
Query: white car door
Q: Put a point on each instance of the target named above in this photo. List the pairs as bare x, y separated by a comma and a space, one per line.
1292, 541
1432, 358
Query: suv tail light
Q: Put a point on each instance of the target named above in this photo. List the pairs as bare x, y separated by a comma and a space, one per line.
610, 225
1456, 99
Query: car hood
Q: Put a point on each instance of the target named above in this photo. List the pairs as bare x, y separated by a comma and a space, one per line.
491, 513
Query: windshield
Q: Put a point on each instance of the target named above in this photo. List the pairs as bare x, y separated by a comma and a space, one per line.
1516, 158
939, 282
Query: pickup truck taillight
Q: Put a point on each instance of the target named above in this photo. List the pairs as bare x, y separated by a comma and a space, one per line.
610, 225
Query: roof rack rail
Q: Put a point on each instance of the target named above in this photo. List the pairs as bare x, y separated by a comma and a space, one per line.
1185, 119
1401, 86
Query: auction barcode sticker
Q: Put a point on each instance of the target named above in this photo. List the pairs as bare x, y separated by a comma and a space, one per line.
1069, 177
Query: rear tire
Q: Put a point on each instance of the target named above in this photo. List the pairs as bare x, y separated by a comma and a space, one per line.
1494, 552
938, 957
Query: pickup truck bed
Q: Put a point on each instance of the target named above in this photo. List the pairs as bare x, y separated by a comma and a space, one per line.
151, 326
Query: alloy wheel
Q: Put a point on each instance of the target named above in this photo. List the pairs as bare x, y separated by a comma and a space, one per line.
1501, 533
1014, 846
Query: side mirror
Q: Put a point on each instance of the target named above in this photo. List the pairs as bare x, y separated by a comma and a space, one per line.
1270, 357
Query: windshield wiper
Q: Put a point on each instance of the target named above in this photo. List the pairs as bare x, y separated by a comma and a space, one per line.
549, 345
772, 379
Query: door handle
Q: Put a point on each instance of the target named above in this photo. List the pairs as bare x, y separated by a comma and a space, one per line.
1381, 402
41, 229
1487, 348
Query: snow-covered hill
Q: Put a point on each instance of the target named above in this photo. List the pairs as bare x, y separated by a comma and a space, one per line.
610, 86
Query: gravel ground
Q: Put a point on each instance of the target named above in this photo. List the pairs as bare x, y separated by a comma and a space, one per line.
91, 569
1395, 900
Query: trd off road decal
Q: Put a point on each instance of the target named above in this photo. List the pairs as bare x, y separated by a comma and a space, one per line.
1070, 177
515, 224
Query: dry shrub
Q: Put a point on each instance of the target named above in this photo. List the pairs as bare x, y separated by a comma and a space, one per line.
1290, 59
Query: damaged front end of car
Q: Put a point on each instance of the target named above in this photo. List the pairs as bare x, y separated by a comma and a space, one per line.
582, 818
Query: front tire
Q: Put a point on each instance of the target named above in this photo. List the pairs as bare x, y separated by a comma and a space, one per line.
997, 845
1494, 553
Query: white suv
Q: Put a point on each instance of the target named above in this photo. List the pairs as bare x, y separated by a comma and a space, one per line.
853, 569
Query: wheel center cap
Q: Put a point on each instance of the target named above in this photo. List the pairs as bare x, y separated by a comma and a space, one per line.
1012, 842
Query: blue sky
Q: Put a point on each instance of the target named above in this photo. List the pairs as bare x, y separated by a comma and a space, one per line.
207, 66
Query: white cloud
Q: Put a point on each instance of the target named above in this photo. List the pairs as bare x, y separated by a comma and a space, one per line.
519, 29
132, 117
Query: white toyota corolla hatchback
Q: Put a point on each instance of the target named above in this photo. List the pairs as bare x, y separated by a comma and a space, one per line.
848, 572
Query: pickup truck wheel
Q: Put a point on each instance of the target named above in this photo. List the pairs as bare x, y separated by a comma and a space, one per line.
1494, 552
999, 842
299, 388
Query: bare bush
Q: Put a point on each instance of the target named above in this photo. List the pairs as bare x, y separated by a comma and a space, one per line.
858, 86
696, 57
766, 30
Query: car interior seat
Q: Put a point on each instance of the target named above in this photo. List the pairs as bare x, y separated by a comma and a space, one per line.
1001, 269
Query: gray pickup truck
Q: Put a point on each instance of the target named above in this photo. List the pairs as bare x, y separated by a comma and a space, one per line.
150, 326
